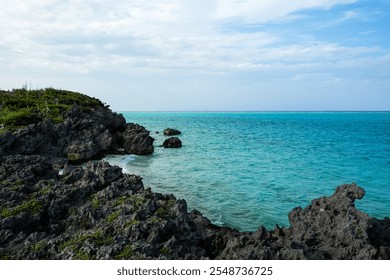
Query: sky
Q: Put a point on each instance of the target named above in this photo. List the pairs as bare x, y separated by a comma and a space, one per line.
202, 55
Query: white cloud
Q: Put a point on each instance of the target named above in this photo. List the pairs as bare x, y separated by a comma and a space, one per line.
166, 39
265, 11
88, 35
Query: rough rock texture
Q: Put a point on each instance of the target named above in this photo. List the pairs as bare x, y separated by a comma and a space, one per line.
82, 136
329, 228
97, 212
172, 142
171, 131
136, 140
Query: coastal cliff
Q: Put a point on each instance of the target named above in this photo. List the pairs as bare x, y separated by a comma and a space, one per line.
95, 211
67, 125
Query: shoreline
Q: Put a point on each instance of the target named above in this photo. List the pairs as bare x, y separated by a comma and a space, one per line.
98, 212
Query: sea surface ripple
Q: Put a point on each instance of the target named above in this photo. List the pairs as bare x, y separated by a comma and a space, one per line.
246, 169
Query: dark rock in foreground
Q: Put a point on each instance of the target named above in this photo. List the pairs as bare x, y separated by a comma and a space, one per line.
97, 212
172, 142
171, 131
329, 228
136, 140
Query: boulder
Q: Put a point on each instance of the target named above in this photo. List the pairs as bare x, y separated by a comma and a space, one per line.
171, 131
136, 140
172, 142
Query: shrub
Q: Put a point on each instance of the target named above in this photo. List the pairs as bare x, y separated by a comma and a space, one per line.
21, 107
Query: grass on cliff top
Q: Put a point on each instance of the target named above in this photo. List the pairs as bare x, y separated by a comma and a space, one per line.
21, 107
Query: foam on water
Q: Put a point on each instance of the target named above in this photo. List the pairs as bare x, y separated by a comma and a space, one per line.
249, 169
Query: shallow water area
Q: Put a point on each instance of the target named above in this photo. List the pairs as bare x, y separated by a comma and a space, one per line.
246, 169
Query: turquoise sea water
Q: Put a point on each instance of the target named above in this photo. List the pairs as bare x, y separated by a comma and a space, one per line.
249, 169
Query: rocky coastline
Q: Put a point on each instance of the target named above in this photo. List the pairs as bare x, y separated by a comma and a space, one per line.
95, 211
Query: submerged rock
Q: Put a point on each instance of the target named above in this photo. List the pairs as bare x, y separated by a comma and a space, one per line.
172, 142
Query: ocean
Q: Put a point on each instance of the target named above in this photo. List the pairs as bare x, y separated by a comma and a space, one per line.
247, 169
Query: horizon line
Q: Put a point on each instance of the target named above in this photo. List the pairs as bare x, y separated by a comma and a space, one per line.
254, 111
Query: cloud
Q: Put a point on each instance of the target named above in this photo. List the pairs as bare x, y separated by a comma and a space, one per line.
177, 41
266, 11
154, 34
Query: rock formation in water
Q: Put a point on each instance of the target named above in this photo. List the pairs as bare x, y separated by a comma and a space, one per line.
172, 142
171, 131
98, 212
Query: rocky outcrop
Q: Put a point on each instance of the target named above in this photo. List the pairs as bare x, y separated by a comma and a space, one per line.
335, 217
97, 212
82, 136
171, 131
136, 140
172, 142
329, 228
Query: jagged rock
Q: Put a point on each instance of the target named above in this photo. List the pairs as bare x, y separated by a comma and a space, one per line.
97, 212
331, 227
171, 131
105, 171
172, 142
82, 136
136, 140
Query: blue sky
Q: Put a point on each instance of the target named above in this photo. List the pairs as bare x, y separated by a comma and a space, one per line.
204, 54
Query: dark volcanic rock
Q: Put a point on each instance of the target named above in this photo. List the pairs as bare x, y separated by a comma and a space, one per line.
97, 212
171, 131
136, 140
82, 136
172, 142
92, 213
329, 228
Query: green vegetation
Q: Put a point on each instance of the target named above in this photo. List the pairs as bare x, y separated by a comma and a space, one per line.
162, 212
77, 242
134, 200
164, 250
121, 200
112, 217
95, 202
32, 206
4, 182
154, 220
81, 255
125, 254
21, 107
132, 222
38, 246
137, 202
74, 156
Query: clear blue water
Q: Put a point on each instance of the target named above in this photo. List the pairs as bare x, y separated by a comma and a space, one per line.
249, 169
